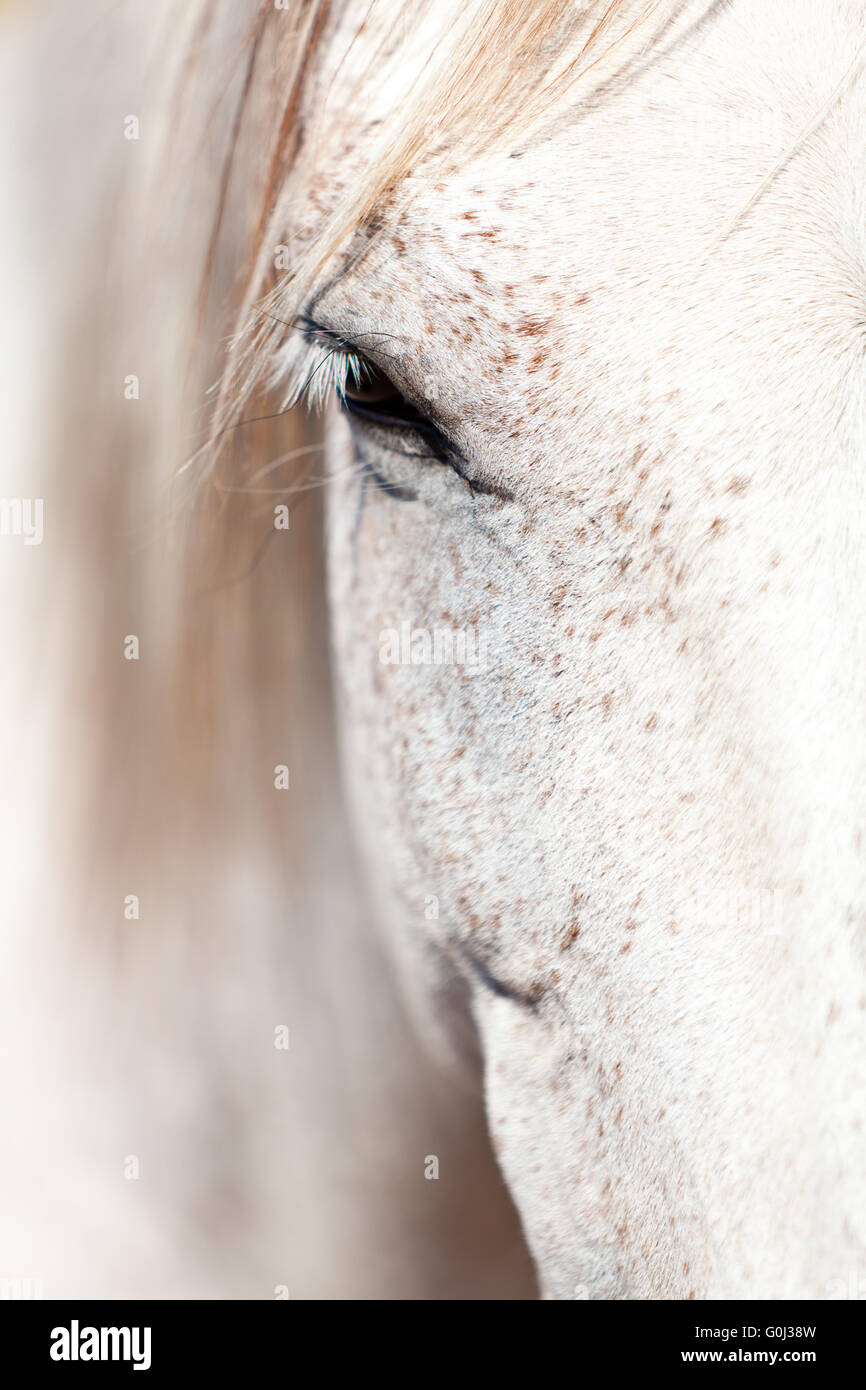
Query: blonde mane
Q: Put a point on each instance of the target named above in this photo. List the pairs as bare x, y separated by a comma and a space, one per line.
495, 72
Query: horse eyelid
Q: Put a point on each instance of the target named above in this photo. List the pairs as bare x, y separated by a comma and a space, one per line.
352, 345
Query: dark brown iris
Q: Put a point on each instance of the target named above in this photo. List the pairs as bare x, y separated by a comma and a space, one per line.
373, 387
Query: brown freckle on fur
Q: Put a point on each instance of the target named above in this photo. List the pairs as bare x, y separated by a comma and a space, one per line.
558, 594
530, 328
470, 216
652, 723
718, 527
538, 361
738, 485
626, 947
631, 924
775, 560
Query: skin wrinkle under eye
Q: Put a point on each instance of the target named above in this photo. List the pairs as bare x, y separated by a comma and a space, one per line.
526, 999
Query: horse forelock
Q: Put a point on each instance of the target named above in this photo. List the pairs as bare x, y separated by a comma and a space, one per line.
405, 96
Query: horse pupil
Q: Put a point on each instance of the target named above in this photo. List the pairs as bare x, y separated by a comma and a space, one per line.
375, 387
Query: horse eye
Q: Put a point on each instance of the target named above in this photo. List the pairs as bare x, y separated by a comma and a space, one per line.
372, 396
367, 385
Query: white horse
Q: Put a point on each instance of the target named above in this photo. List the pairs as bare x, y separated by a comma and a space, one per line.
584, 287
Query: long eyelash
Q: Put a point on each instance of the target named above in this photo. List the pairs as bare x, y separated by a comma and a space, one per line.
314, 372
314, 362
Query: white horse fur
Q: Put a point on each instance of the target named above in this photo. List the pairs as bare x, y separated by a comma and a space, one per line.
622, 840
